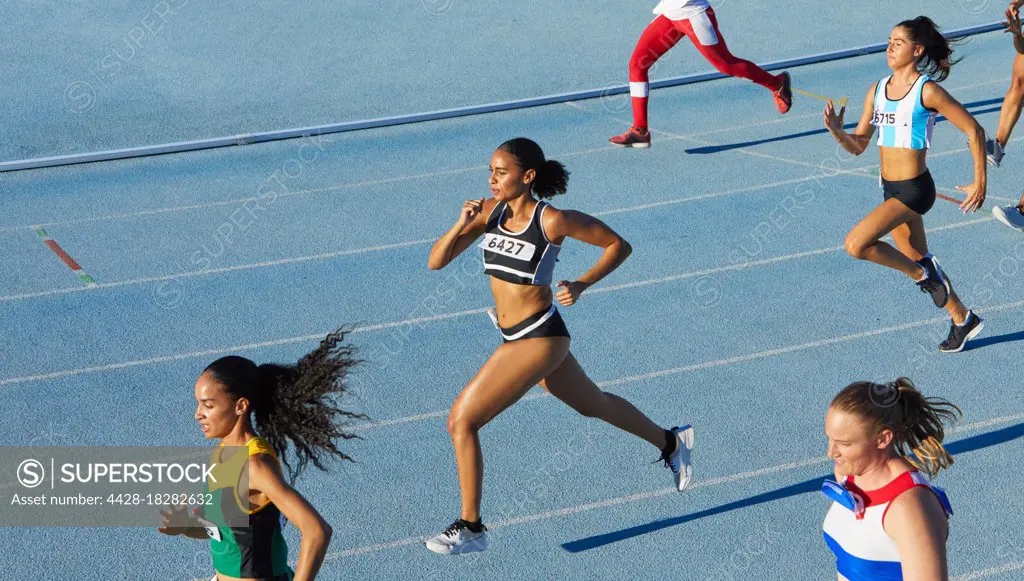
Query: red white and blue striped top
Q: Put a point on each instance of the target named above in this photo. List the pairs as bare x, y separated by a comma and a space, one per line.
853, 526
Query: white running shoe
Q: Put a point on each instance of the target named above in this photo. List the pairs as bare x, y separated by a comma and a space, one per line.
994, 152
1011, 216
459, 539
679, 460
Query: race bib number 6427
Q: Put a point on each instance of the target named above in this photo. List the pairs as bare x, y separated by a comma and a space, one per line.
508, 246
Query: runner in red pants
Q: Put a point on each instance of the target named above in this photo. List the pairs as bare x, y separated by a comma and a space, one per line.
695, 19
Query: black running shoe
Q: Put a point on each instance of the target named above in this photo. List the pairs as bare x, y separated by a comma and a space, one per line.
959, 335
936, 283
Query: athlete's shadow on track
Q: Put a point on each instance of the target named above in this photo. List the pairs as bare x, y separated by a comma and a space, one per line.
811, 485
727, 147
986, 341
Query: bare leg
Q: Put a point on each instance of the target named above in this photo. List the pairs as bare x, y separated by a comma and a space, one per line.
505, 378
864, 240
910, 239
570, 384
1010, 112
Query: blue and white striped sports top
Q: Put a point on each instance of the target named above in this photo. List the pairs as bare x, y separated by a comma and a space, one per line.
904, 123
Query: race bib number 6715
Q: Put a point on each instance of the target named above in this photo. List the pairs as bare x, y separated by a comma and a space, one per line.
508, 246
884, 118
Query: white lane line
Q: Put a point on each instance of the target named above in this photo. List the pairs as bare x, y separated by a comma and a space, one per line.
705, 365
221, 270
763, 262
368, 183
223, 350
752, 153
421, 320
858, 171
699, 197
239, 201
743, 150
409, 243
391, 246
740, 476
849, 111
982, 573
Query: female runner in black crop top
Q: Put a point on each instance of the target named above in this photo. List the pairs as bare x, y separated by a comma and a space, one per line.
536, 344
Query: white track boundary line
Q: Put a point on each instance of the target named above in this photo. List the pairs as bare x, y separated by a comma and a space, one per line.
337, 187
220, 270
295, 132
428, 175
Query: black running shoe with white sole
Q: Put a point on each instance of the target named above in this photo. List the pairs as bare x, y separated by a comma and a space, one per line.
459, 538
959, 335
678, 461
936, 283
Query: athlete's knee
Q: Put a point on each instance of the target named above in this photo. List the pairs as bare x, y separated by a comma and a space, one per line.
856, 246
460, 426
639, 64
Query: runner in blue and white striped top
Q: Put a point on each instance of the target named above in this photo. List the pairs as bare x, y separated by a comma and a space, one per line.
903, 107
904, 122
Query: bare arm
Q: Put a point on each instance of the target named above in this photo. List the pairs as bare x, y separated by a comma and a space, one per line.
858, 141
559, 224
265, 476
471, 224
936, 98
917, 524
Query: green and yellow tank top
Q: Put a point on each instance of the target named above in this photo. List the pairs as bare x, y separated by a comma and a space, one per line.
256, 551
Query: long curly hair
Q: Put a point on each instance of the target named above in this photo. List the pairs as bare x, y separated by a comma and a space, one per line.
296, 404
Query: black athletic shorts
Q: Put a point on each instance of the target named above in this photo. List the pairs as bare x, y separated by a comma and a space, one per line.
918, 193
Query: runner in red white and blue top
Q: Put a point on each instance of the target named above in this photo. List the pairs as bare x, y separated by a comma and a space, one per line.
694, 19
887, 521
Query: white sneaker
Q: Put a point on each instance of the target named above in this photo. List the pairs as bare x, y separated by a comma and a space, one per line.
458, 539
679, 460
1011, 216
994, 152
